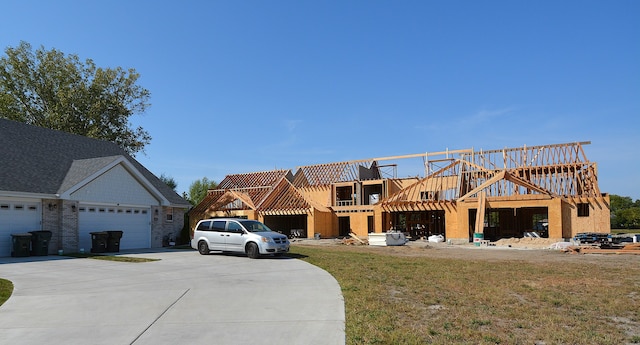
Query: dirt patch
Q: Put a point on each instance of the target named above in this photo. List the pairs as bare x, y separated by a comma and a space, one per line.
524, 249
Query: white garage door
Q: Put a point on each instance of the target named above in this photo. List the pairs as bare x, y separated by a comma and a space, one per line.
17, 217
134, 222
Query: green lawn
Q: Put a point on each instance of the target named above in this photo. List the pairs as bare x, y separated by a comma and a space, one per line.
6, 288
392, 299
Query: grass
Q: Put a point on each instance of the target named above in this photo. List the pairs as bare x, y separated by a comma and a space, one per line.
109, 257
6, 289
391, 299
625, 231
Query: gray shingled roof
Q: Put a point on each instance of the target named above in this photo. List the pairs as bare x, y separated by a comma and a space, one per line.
44, 161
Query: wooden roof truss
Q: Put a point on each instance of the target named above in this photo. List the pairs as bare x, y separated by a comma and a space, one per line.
559, 170
327, 174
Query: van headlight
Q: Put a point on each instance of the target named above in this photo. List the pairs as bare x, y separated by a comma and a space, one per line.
267, 239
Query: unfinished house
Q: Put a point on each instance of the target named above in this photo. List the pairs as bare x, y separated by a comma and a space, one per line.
349, 190
550, 189
265, 196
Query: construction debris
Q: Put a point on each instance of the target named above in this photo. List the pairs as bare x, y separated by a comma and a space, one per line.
633, 248
353, 240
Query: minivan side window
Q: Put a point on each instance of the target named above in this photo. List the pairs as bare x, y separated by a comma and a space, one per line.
234, 227
204, 225
218, 225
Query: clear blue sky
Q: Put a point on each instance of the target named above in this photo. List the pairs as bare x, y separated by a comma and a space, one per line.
242, 86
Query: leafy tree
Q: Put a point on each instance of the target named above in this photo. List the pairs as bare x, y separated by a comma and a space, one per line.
198, 190
625, 213
169, 181
58, 91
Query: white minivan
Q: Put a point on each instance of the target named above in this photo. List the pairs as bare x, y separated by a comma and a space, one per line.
238, 235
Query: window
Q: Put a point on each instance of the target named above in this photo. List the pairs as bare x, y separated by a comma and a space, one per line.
218, 225
169, 217
204, 225
583, 210
234, 227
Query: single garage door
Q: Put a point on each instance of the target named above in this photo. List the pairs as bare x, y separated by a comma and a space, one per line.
135, 222
17, 217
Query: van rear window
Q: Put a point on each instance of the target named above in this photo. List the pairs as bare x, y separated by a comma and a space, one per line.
204, 225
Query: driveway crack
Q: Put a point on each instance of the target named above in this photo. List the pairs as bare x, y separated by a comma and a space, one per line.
159, 316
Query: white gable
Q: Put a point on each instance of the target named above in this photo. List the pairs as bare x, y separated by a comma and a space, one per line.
116, 186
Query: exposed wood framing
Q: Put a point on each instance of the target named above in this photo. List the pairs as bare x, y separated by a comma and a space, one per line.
558, 170
482, 201
327, 174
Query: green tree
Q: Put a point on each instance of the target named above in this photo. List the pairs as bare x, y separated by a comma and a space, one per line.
198, 190
169, 181
58, 91
625, 213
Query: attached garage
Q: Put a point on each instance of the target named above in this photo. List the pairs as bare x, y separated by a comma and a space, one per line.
134, 222
290, 225
17, 216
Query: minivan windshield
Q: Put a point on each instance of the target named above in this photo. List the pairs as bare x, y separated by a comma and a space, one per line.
254, 226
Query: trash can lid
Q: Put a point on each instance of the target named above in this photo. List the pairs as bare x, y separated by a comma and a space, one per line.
22, 235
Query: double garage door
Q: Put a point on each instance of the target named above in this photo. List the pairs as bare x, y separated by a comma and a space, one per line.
17, 217
134, 222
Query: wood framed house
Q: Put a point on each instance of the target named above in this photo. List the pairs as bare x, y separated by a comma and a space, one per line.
267, 196
73, 185
502, 193
497, 193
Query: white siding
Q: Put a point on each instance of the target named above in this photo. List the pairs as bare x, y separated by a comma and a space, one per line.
115, 186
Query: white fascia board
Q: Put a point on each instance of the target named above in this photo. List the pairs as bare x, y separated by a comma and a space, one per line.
130, 168
27, 195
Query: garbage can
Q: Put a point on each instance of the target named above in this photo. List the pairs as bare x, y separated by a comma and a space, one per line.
40, 242
21, 245
99, 241
113, 241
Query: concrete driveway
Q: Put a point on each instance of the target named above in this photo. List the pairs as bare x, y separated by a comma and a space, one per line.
185, 298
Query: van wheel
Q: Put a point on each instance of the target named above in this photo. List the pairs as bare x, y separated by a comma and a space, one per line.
203, 248
252, 250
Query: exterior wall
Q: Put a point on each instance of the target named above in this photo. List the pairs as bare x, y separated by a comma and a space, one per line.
62, 221
359, 223
115, 186
321, 195
599, 219
320, 223
51, 222
164, 230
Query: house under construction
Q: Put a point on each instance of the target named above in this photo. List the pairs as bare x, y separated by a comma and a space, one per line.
551, 189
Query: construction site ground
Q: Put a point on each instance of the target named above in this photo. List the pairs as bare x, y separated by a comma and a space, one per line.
527, 249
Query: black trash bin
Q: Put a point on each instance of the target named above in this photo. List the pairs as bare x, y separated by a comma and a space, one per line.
40, 242
113, 241
99, 241
20, 245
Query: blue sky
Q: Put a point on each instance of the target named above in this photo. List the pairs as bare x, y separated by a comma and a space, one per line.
242, 86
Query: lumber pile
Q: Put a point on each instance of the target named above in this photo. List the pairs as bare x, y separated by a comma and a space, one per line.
353, 239
633, 248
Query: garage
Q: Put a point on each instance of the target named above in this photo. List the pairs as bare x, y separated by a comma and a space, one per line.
17, 216
135, 222
294, 226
